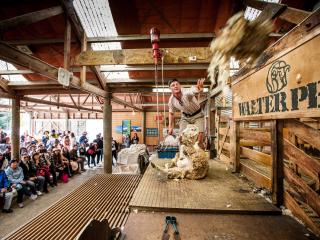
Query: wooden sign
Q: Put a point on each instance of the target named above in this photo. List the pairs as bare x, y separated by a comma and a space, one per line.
288, 87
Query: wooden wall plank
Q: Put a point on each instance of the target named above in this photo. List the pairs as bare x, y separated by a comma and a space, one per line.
304, 132
263, 137
255, 176
310, 196
225, 145
256, 156
309, 165
291, 204
251, 143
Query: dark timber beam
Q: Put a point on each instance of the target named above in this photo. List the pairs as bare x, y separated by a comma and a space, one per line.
29, 18
67, 46
143, 56
122, 102
13, 55
172, 37
35, 100
123, 68
4, 84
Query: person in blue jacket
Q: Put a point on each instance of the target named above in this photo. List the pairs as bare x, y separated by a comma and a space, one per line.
6, 194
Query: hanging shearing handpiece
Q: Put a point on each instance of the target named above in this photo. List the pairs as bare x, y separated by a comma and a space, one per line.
155, 39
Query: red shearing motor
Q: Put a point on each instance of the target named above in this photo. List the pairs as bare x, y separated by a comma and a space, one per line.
155, 39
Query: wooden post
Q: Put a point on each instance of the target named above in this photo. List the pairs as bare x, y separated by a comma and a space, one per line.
67, 46
15, 128
83, 71
211, 128
67, 120
235, 146
217, 123
144, 125
107, 134
277, 162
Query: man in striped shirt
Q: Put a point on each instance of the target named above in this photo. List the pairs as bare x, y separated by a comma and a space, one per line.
184, 100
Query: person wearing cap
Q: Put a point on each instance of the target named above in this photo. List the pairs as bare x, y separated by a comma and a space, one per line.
184, 100
83, 139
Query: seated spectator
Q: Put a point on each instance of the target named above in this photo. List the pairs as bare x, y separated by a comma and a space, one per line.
15, 176
74, 157
7, 153
82, 151
6, 194
3, 161
65, 155
66, 142
60, 163
30, 175
44, 169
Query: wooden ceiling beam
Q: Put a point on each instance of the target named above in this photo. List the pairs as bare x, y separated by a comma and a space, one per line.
35, 100
143, 56
149, 80
122, 102
194, 37
67, 5
122, 68
13, 55
29, 18
4, 84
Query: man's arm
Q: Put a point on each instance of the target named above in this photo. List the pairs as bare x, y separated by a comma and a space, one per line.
171, 122
195, 89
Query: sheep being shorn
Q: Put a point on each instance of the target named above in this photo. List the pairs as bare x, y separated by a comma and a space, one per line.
191, 162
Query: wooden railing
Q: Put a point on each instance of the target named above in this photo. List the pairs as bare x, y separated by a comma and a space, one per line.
275, 156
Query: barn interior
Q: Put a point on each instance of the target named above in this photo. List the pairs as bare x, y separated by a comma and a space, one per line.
97, 67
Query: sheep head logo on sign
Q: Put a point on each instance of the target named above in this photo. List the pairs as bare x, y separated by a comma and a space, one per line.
277, 76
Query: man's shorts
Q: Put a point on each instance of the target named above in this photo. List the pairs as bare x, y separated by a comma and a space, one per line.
197, 120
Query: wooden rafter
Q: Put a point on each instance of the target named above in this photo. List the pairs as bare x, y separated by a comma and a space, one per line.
13, 55
57, 104
142, 56
4, 84
74, 102
29, 18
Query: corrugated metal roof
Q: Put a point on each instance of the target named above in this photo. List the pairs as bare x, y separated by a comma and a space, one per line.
252, 13
8, 66
97, 21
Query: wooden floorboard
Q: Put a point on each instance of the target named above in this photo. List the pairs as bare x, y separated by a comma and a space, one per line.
104, 196
192, 226
219, 192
